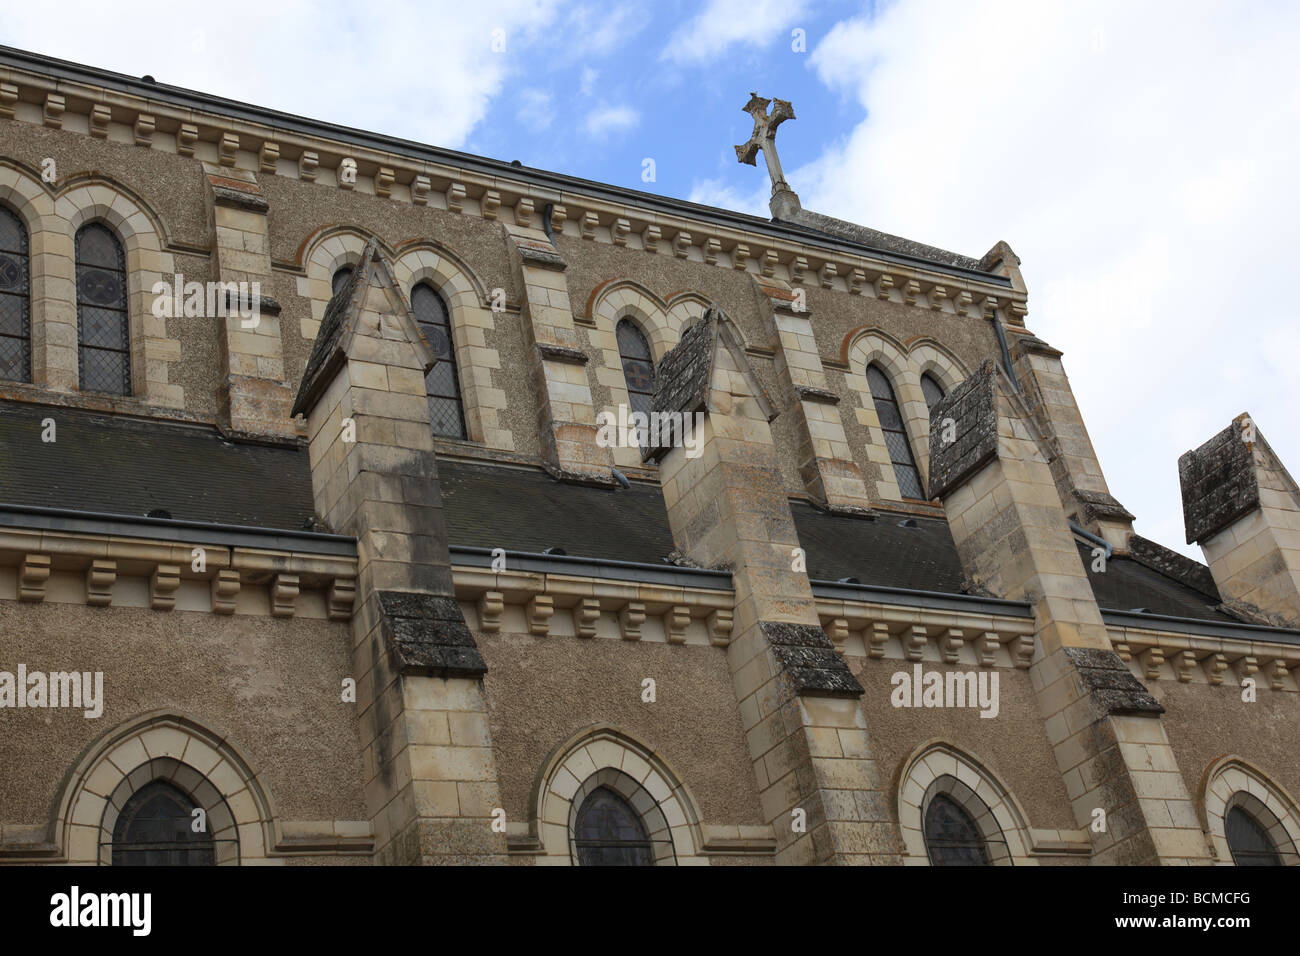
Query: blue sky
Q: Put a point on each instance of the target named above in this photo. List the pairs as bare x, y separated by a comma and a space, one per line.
1140, 158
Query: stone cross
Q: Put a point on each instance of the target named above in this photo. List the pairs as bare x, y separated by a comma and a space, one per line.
764, 137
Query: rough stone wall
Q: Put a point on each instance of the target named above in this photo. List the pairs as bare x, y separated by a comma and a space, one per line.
272, 685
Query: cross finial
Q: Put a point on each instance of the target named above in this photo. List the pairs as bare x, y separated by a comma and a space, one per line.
764, 138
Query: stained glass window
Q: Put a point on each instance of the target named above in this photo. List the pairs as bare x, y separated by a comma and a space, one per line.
442, 382
156, 828
1249, 841
891, 422
608, 832
951, 836
103, 327
15, 300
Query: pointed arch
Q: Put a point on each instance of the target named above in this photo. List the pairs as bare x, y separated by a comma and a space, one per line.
322, 254
163, 745
940, 767
603, 755
660, 320
1232, 782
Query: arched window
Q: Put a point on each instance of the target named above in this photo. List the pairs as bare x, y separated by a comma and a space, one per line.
609, 832
442, 382
103, 328
1249, 840
156, 828
341, 277
951, 836
932, 390
638, 366
15, 300
891, 422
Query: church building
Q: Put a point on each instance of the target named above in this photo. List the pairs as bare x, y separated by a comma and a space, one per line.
364, 502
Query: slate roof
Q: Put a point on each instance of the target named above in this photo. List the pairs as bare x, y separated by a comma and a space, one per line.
117, 465
128, 466
816, 224
883, 551
1126, 585
488, 506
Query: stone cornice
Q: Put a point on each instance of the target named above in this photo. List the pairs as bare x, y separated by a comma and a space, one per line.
239, 136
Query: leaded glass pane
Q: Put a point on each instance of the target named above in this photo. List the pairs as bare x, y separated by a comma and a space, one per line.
103, 327
442, 381
155, 829
638, 366
932, 390
608, 832
951, 836
895, 431
15, 300
1249, 842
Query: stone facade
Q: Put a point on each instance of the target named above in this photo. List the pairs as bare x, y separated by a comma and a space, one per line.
382, 672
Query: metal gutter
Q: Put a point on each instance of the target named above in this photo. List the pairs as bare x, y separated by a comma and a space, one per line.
930, 600
543, 179
1199, 628
190, 532
1102, 543
666, 575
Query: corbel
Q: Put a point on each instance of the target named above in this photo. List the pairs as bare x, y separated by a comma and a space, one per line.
284, 592
163, 584
100, 117
456, 194
490, 205
228, 148
951, 644
491, 606
420, 188
186, 137
267, 157
32, 575
99, 582
883, 284
720, 623
225, 591
539, 610
630, 620
524, 212
586, 617
914, 642
682, 245
675, 623
385, 176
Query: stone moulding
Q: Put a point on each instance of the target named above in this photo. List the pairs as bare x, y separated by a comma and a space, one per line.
266, 143
167, 566
1161, 655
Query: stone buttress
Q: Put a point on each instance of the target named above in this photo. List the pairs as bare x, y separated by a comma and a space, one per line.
431, 780
1014, 541
819, 785
1243, 507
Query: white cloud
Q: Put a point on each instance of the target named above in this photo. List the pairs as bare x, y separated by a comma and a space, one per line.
1141, 160
715, 192
596, 30
604, 120
424, 70
587, 82
725, 23
535, 110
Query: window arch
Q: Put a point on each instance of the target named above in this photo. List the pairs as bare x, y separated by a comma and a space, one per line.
340, 279
442, 383
609, 832
1250, 819
638, 365
15, 300
103, 326
932, 390
156, 828
896, 441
